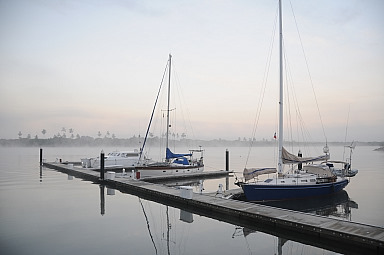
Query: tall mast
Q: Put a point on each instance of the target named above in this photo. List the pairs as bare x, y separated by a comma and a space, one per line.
280, 163
169, 96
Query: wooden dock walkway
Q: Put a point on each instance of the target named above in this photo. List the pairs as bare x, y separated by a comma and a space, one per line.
331, 234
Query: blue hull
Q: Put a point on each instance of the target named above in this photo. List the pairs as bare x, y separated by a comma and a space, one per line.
260, 192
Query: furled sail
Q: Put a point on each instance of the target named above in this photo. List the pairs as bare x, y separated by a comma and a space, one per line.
289, 158
250, 173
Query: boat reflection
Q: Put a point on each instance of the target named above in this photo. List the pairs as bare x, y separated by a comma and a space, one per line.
172, 241
336, 205
165, 226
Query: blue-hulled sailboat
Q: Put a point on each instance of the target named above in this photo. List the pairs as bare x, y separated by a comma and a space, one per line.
310, 180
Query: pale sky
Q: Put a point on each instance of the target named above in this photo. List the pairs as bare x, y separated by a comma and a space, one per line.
97, 65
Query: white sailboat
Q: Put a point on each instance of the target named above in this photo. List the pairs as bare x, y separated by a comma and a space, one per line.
308, 181
174, 163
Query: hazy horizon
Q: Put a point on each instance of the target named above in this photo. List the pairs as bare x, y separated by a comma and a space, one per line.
97, 66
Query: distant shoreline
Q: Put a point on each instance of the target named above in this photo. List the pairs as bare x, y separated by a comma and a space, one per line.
86, 141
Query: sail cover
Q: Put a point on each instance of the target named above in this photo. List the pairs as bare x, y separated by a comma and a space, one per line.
250, 173
169, 154
289, 158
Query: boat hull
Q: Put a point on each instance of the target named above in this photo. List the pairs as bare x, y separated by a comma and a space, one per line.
167, 170
261, 192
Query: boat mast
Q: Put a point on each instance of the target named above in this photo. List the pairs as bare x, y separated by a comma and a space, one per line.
169, 96
280, 163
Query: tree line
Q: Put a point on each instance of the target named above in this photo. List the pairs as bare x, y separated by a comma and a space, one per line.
137, 141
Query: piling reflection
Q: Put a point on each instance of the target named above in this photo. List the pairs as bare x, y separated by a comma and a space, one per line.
110, 192
102, 199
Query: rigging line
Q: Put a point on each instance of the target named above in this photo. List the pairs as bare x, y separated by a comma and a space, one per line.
182, 99
346, 131
288, 109
293, 97
263, 87
153, 111
168, 226
300, 120
149, 229
309, 73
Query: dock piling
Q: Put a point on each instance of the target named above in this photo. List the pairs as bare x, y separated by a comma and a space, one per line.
226, 160
102, 200
41, 156
102, 165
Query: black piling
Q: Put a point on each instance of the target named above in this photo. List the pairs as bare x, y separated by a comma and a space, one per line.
41, 156
226, 160
102, 165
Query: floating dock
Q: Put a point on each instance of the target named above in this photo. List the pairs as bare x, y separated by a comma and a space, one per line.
331, 234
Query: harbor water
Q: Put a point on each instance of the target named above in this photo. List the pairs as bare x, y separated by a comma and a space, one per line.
43, 211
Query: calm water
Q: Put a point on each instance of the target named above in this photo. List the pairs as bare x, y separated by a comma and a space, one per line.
43, 211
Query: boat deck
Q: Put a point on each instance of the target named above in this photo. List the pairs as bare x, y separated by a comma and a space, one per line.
332, 234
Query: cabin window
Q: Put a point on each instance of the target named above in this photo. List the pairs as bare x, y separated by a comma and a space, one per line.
312, 180
268, 180
303, 180
293, 180
164, 171
282, 181
177, 171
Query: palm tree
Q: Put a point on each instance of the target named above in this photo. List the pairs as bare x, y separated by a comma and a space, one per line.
99, 134
44, 132
20, 134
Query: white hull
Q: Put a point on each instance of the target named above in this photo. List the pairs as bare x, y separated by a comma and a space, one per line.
114, 159
174, 170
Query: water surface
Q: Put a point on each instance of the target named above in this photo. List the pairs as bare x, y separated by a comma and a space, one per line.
43, 211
